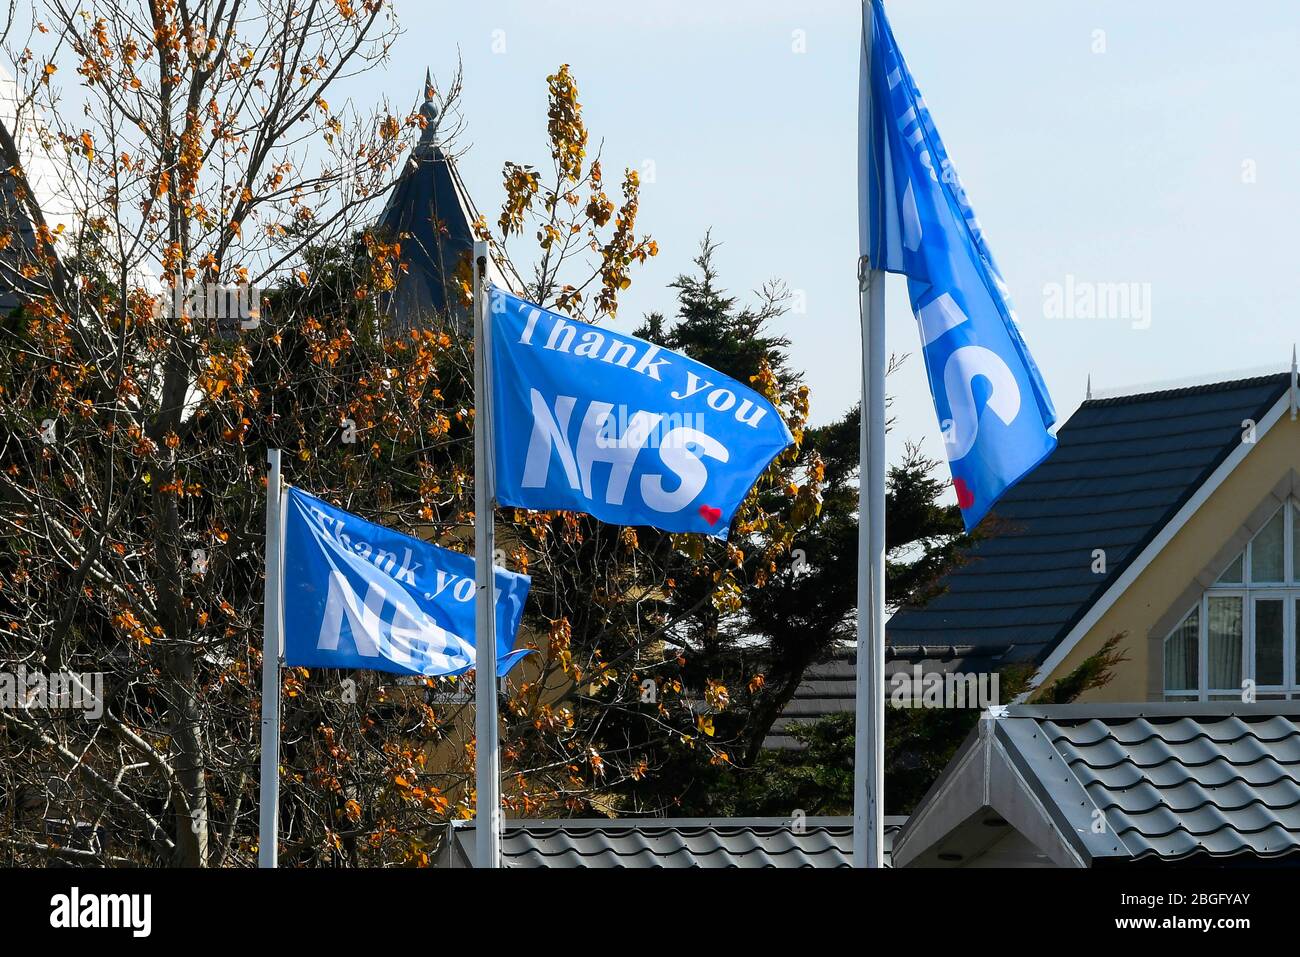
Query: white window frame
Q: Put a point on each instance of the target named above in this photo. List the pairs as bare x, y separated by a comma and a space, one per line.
1288, 591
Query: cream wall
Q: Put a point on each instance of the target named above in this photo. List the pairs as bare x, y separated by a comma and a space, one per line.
1156, 601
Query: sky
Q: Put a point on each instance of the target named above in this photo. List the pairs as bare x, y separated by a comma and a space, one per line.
1100, 142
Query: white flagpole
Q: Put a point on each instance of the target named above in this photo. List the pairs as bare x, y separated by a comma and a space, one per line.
869, 717
869, 741
268, 823
487, 814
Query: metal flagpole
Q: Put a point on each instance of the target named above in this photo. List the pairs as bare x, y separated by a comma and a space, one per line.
869, 740
488, 760
268, 823
869, 717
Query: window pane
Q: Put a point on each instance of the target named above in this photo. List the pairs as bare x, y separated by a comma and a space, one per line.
1296, 626
1269, 626
1224, 641
1182, 658
1232, 574
1295, 541
1266, 552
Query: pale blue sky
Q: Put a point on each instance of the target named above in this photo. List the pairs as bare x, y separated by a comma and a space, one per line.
1116, 166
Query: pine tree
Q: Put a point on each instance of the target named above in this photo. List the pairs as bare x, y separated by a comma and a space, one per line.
805, 610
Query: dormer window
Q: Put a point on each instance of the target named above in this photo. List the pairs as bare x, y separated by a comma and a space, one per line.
1243, 629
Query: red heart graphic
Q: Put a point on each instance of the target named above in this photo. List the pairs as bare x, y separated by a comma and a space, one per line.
965, 497
711, 514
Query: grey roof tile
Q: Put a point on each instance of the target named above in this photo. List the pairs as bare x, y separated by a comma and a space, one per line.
1172, 782
674, 843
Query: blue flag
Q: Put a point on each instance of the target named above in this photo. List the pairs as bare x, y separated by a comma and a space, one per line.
358, 595
586, 419
916, 219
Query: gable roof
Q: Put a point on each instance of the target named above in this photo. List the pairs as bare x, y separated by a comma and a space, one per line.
1123, 468
1091, 784
756, 842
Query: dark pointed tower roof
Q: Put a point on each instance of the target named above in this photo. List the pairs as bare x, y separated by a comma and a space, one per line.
49, 180
431, 214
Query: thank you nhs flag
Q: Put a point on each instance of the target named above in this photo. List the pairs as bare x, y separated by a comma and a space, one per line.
358, 595
916, 219
590, 420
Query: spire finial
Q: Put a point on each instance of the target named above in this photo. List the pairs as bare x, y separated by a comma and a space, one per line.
1089, 395
429, 110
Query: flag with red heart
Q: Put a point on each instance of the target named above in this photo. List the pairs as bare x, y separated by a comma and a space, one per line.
587, 419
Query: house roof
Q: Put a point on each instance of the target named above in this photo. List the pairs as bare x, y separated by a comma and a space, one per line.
431, 214
830, 687
1122, 469
827, 688
1091, 784
667, 842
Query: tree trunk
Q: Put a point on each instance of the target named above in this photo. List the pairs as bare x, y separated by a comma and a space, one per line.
190, 798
